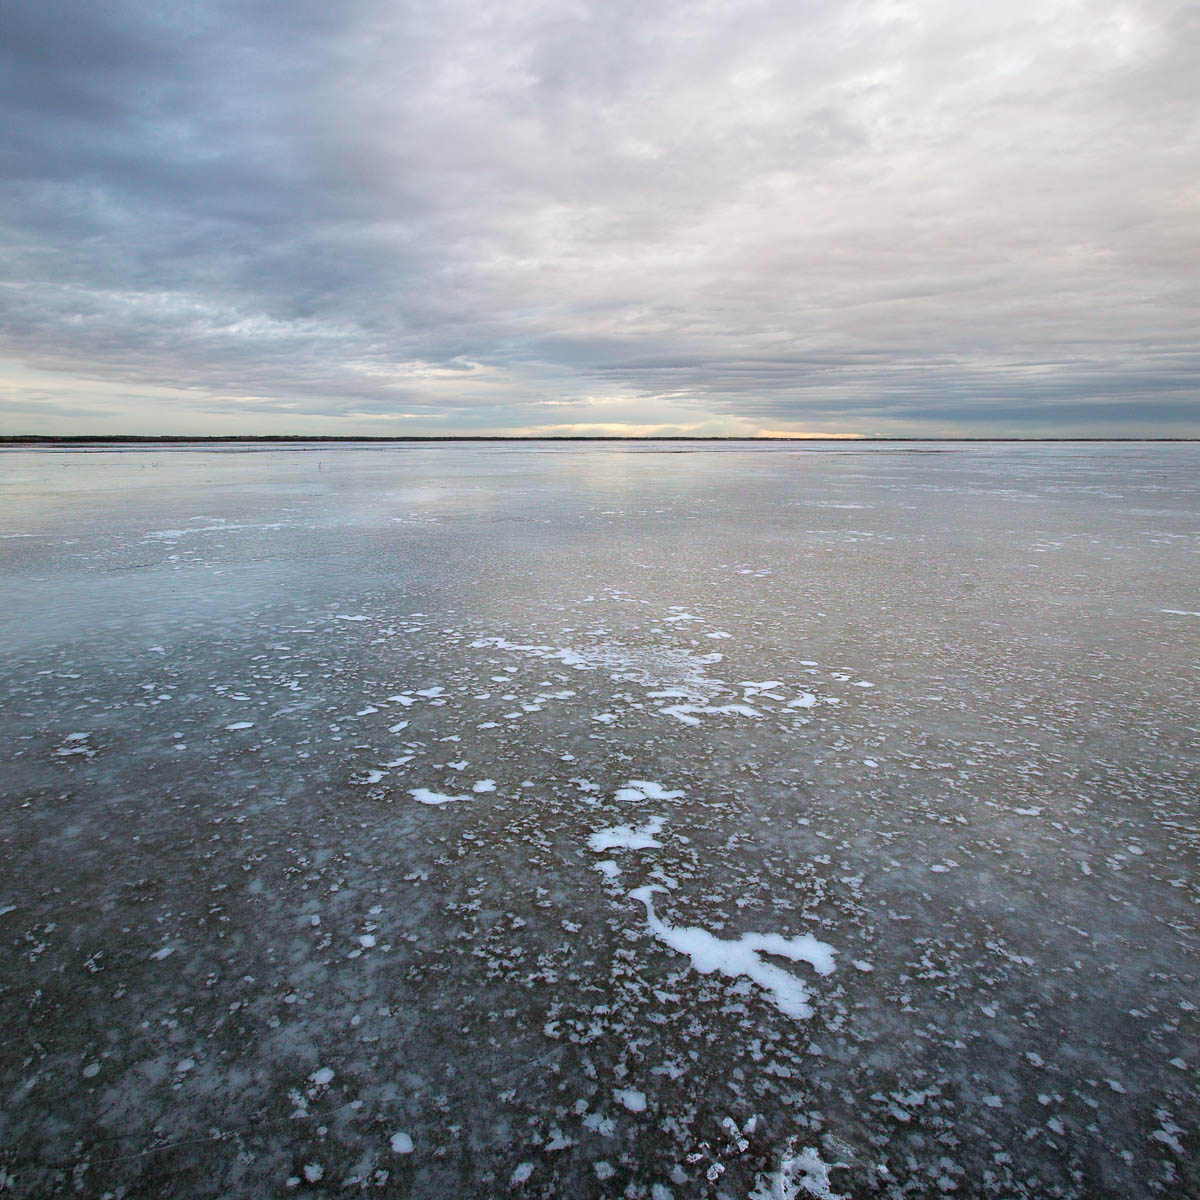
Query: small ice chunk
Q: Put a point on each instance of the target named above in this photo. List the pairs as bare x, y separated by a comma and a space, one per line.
521, 1173
484, 785
401, 1143
633, 1100
165, 952
239, 725
314, 1172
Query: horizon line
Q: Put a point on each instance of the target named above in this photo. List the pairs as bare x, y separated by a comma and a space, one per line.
165, 438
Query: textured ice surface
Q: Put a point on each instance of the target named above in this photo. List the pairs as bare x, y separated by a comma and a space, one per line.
304, 753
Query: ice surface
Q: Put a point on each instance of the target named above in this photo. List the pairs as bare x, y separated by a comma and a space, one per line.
298, 804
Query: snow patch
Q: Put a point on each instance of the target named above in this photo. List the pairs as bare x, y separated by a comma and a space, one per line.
742, 956
798, 1175
425, 796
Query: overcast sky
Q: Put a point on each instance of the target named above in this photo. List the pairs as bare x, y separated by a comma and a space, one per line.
370, 216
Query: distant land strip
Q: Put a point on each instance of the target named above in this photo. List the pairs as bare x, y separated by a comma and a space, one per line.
91, 439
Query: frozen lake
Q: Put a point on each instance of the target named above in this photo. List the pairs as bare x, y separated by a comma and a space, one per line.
654, 821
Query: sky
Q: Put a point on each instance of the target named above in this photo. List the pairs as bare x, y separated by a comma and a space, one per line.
373, 217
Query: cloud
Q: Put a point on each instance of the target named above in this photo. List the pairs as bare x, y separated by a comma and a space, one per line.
880, 217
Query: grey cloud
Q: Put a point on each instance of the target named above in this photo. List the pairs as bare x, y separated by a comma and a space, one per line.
764, 215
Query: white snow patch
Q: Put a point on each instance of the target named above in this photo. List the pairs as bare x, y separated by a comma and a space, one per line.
402, 1143
687, 712
484, 785
738, 957
633, 1100
644, 789
425, 796
798, 1174
625, 837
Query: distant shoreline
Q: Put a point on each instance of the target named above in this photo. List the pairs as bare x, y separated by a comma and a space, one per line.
88, 439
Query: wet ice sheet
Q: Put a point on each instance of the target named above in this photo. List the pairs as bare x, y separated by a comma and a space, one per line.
300, 883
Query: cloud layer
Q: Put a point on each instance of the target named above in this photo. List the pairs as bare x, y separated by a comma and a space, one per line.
876, 217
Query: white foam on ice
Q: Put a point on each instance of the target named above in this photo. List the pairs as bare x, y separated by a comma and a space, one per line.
742, 957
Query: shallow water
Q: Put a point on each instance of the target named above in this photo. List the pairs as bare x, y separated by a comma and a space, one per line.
336, 780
